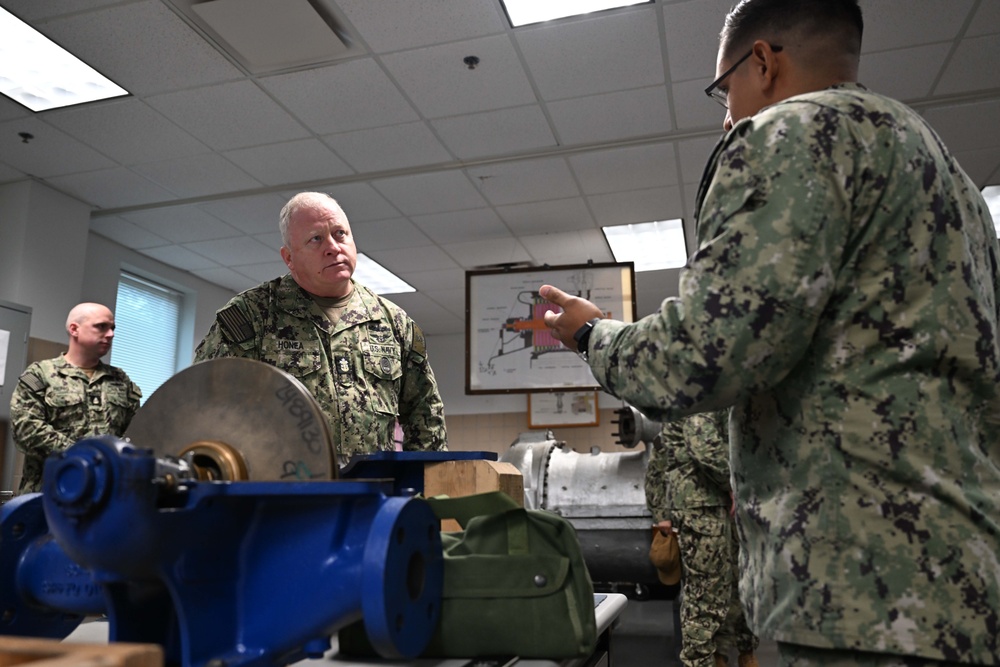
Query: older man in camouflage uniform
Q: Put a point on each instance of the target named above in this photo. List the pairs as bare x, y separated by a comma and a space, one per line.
59, 401
688, 491
362, 358
844, 299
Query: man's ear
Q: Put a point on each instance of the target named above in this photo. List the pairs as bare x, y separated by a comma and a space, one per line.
286, 255
765, 65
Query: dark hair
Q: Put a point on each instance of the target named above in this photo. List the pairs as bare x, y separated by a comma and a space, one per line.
766, 19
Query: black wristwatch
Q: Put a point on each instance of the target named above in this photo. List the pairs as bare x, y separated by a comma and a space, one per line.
582, 337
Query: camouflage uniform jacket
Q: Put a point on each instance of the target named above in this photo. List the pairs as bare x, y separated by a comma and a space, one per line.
55, 404
363, 371
696, 449
844, 299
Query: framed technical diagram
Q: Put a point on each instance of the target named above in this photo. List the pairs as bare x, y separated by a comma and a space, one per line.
508, 348
563, 408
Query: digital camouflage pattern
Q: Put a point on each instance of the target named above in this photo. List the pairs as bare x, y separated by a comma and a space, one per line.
692, 466
55, 404
363, 371
844, 299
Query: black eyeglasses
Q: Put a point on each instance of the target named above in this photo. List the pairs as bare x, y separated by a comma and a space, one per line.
713, 88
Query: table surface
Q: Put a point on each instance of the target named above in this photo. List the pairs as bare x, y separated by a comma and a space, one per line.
607, 608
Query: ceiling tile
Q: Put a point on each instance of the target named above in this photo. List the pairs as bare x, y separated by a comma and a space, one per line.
49, 153
10, 109
696, 110
524, 181
112, 188
119, 42
961, 125
353, 95
905, 74
694, 154
430, 316
254, 214
986, 20
180, 257
620, 208
439, 83
556, 215
629, 168
290, 162
226, 277
30, 10
576, 247
477, 254
388, 148
388, 235
437, 280
594, 55
435, 192
975, 65
692, 30
632, 113
893, 24
361, 202
402, 260
125, 233
126, 130
198, 175
457, 226
181, 224
391, 25
263, 272
499, 132
980, 165
230, 115
235, 251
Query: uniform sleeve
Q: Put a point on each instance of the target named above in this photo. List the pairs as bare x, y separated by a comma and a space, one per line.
29, 418
771, 223
231, 334
707, 440
421, 410
134, 399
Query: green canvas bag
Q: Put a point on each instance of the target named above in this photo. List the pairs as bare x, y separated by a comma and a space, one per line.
515, 583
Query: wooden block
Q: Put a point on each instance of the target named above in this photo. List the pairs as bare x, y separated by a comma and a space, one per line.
54, 653
465, 478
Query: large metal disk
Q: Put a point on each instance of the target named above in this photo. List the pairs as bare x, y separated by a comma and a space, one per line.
245, 419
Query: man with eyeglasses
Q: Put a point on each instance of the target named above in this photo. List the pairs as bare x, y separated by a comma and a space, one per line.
843, 299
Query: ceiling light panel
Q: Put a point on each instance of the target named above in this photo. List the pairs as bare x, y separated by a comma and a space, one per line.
524, 12
42, 75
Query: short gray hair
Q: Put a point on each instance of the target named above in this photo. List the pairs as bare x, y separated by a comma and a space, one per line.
300, 201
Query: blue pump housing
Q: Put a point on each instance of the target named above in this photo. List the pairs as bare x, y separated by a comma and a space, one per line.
218, 573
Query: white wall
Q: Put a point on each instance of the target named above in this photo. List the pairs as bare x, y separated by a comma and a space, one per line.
105, 261
43, 235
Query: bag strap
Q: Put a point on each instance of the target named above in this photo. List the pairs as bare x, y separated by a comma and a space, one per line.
465, 507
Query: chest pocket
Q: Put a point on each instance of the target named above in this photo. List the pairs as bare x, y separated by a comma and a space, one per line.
65, 397
66, 405
118, 396
383, 372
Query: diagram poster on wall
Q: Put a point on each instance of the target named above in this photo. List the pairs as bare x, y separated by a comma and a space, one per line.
508, 347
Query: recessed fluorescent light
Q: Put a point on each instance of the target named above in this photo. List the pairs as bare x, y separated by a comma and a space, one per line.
40, 74
650, 245
991, 194
523, 12
377, 278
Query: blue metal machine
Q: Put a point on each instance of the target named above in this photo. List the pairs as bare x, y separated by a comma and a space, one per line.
221, 571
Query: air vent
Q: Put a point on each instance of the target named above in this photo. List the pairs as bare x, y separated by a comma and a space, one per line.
271, 35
